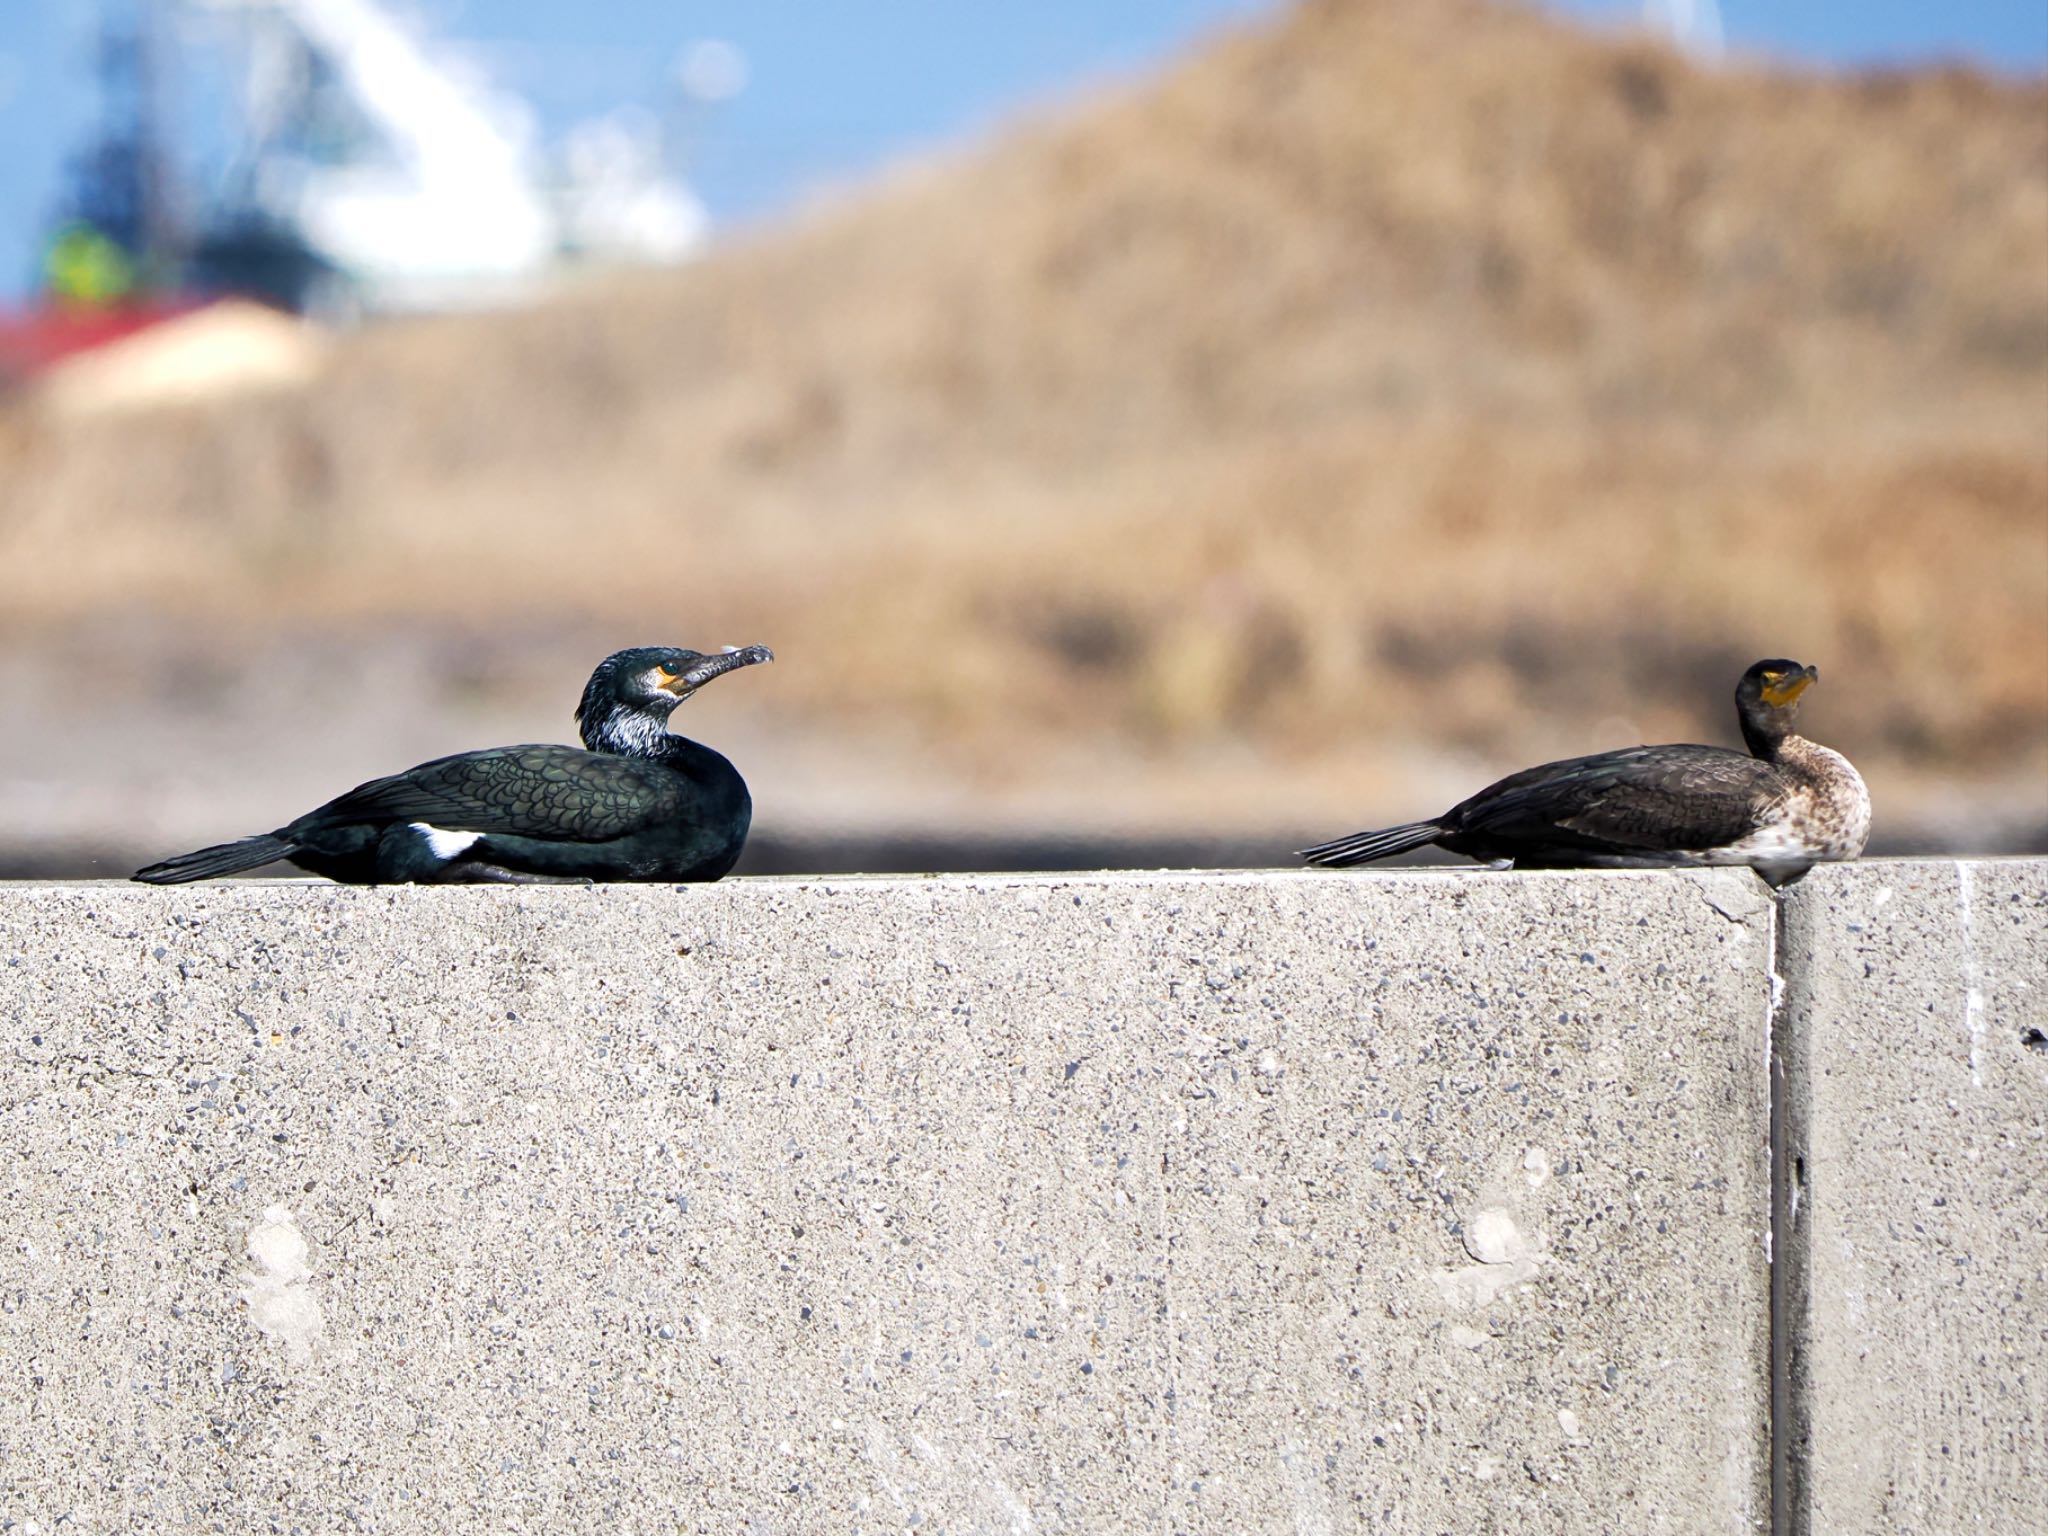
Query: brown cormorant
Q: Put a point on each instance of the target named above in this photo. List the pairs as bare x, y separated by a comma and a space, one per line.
640, 804
1787, 805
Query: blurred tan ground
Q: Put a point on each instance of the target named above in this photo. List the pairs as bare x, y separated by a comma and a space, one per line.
1384, 399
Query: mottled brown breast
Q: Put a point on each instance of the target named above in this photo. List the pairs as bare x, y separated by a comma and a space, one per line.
1829, 806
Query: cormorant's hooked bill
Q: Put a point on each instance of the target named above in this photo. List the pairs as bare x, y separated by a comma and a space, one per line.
1783, 806
694, 676
636, 802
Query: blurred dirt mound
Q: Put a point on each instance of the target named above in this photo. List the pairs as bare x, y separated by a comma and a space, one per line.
1406, 377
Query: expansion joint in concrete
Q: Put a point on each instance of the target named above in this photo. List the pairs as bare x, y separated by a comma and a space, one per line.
1788, 1176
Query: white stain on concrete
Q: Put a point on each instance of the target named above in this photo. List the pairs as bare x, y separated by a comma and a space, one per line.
278, 1288
960, 1479
1973, 993
1507, 1258
1501, 1228
887, 1466
1312, 1512
1492, 1237
1016, 1509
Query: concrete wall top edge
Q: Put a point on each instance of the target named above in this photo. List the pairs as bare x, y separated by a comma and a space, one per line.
1402, 874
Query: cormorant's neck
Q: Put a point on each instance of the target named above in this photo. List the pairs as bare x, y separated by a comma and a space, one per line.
632, 733
1802, 759
1766, 739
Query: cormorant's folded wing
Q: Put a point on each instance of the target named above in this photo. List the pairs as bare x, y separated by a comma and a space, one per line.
1640, 799
555, 792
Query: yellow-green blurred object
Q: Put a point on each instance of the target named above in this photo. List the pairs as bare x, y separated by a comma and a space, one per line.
84, 267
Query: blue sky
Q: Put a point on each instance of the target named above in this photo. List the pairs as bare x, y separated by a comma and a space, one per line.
837, 87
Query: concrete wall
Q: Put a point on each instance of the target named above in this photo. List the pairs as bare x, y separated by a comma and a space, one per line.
1406, 1202
1914, 1053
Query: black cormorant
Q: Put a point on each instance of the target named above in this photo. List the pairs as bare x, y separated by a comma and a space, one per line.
640, 804
1787, 805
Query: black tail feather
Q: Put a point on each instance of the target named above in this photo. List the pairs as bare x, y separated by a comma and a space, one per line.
1363, 847
221, 859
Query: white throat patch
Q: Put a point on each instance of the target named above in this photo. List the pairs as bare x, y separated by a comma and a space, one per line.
630, 733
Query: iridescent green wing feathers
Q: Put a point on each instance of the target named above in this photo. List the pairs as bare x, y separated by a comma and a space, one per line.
554, 792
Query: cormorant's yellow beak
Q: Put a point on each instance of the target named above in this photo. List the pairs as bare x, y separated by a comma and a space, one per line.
1782, 690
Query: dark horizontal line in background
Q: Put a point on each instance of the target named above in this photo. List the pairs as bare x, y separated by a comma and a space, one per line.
939, 854
898, 855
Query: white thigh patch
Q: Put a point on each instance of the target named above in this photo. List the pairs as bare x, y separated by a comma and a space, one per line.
445, 844
1778, 846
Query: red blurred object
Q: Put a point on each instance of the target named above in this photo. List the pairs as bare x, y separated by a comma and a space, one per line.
35, 339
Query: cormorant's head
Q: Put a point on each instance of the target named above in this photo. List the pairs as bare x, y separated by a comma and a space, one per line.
633, 691
1767, 699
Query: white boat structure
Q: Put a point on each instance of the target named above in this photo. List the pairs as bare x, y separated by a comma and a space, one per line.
371, 175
